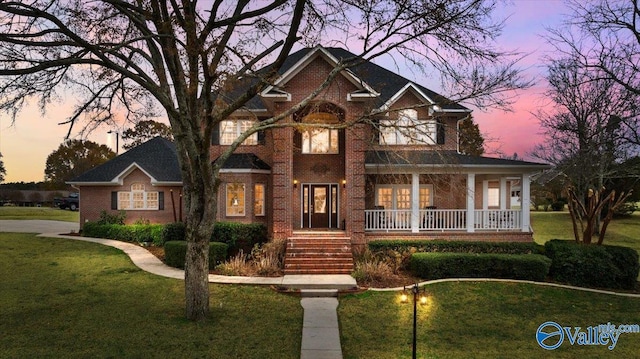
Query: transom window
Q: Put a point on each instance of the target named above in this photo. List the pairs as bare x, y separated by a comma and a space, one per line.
408, 130
399, 196
138, 198
230, 130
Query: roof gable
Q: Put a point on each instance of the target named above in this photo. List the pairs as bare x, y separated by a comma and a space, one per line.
157, 158
297, 64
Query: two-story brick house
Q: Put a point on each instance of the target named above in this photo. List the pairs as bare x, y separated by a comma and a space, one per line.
399, 174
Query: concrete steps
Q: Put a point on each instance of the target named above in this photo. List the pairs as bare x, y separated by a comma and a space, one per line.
318, 254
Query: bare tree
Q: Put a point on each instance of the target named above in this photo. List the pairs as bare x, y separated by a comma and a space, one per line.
606, 35
585, 132
178, 58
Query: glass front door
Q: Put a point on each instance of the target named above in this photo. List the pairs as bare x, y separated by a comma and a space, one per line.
320, 206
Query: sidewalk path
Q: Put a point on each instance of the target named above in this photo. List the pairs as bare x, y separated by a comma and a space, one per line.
320, 330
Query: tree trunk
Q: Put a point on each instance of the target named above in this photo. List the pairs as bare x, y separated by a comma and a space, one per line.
200, 194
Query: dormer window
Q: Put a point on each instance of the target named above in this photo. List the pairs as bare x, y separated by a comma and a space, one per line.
408, 130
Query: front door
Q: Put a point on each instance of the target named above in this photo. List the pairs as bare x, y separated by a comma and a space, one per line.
320, 206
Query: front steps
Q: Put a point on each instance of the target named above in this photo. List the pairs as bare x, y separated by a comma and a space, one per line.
318, 253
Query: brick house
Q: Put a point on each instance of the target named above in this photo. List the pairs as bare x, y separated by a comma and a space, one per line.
367, 181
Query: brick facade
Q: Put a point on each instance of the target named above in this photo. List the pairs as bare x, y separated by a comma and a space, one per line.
95, 199
292, 172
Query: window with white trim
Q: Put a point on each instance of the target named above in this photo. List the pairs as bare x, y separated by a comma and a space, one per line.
235, 203
320, 141
493, 195
138, 198
258, 199
408, 130
230, 130
399, 196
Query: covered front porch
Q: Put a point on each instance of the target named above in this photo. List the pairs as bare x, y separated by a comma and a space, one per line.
471, 197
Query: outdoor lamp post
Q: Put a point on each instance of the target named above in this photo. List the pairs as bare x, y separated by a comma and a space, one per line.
417, 295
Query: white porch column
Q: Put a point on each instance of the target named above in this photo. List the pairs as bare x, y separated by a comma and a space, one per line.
525, 194
415, 202
471, 201
503, 193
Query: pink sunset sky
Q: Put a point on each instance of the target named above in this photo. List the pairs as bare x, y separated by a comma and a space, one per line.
26, 144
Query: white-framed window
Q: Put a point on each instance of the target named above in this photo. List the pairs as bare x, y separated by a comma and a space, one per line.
235, 203
230, 130
258, 199
320, 141
493, 197
399, 196
408, 130
138, 198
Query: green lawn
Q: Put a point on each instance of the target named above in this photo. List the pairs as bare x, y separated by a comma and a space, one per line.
557, 225
69, 299
481, 320
47, 213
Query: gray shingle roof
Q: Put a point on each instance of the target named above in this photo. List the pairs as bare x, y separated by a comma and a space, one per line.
386, 82
441, 158
247, 161
157, 157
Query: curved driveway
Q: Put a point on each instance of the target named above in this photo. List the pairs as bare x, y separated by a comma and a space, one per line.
38, 226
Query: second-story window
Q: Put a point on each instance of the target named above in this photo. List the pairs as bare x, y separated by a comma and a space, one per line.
320, 141
230, 130
408, 130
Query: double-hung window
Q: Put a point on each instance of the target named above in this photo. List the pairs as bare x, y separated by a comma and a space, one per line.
230, 130
235, 203
408, 130
399, 196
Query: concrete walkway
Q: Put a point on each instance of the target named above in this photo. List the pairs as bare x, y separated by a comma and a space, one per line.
320, 330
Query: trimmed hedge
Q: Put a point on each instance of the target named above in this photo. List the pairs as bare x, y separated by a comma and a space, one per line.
173, 232
602, 266
397, 253
127, 233
472, 265
240, 236
176, 251
457, 246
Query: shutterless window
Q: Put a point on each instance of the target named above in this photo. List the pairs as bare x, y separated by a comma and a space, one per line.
258, 199
408, 130
320, 141
230, 130
399, 196
235, 202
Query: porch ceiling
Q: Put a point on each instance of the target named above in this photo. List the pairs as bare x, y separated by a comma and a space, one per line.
444, 162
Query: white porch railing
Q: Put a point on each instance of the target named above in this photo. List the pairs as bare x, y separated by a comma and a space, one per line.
498, 219
441, 220
387, 219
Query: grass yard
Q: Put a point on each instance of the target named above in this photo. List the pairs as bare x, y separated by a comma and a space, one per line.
69, 299
47, 213
557, 225
481, 320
